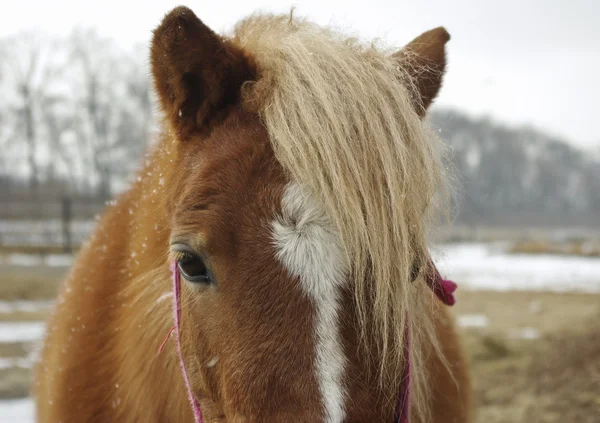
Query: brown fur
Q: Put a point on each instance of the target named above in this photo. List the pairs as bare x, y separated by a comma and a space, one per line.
425, 61
216, 184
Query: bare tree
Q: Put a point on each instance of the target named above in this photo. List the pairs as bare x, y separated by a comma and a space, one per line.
113, 106
28, 70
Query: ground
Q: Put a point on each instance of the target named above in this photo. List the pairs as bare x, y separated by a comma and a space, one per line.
535, 356
538, 360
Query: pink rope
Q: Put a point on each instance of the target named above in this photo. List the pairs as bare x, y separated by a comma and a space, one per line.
162, 346
177, 316
444, 290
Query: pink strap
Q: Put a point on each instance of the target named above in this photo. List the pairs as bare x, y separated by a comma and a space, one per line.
177, 316
443, 288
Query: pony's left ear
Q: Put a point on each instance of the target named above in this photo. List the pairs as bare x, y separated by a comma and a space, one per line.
424, 58
197, 74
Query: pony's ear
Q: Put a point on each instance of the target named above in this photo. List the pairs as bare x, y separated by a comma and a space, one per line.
197, 74
424, 58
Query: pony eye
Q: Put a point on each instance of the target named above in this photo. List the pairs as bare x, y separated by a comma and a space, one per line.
192, 268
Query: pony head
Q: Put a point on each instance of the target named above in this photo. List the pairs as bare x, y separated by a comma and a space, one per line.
302, 180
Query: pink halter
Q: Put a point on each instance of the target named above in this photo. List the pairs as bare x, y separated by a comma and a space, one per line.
177, 317
443, 288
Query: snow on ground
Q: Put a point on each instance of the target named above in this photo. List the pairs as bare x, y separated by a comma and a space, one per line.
489, 267
10, 362
25, 306
528, 333
17, 411
30, 260
21, 331
473, 321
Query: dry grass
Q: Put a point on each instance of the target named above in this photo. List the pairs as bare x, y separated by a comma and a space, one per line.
15, 382
14, 349
29, 283
585, 248
555, 378
23, 316
566, 382
36, 249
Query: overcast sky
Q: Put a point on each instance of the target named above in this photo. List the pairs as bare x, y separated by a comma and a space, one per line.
521, 61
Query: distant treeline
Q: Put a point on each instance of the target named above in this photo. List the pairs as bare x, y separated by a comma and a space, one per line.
76, 114
518, 175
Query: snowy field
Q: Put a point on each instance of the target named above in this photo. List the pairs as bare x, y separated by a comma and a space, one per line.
480, 266
474, 266
17, 411
30, 260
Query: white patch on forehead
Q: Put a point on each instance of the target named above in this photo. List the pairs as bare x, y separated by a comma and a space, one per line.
310, 248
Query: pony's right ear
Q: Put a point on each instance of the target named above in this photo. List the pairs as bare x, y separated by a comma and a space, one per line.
197, 74
424, 58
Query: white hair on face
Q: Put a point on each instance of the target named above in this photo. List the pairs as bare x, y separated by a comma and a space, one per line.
309, 247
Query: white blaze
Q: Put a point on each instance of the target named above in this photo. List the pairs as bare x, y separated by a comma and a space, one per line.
310, 248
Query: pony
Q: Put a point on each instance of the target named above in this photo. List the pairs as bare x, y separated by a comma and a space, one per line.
283, 216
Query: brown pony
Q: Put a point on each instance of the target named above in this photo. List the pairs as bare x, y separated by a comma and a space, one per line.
292, 188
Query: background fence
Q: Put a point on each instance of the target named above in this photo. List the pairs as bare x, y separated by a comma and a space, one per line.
44, 223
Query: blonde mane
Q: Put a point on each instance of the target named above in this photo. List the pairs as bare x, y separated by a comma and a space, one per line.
342, 122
